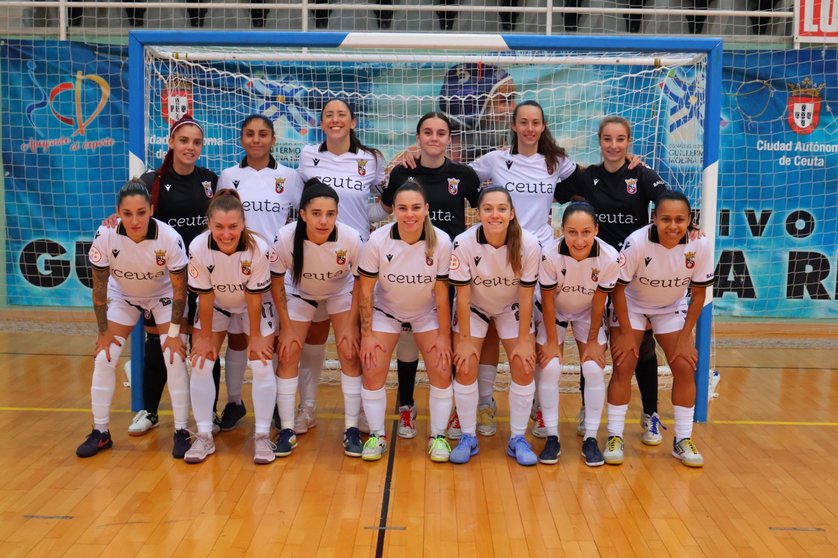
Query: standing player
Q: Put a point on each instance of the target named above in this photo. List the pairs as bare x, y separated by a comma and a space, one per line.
494, 267
137, 267
658, 264
317, 258
269, 191
406, 264
577, 272
229, 268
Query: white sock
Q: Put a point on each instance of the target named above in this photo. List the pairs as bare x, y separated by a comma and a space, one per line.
486, 374
440, 402
264, 395
683, 422
103, 384
311, 365
375, 407
465, 398
616, 418
286, 391
235, 364
202, 392
177, 381
594, 396
351, 387
548, 393
520, 404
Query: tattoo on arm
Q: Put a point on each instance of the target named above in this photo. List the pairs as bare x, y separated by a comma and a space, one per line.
179, 296
366, 313
100, 297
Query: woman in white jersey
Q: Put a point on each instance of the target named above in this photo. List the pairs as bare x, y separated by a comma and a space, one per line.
352, 169
658, 264
138, 268
494, 267
403, 281
268, 191
316, 261
229, 268
577, 272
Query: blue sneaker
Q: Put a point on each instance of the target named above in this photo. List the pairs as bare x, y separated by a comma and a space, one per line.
590, 451
520, 449
466, 448
285, 442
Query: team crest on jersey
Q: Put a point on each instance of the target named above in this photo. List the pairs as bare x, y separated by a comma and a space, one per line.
160, 257
689, 258
95, 255
594, 274
453, 186
340, 256
246, 267
362, 167
280, 184
272, 255
207, 188
631, 185
193, 271
429, 260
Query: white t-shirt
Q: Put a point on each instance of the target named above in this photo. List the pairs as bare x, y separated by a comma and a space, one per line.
328, 268
494, 286
230, 276
139, 269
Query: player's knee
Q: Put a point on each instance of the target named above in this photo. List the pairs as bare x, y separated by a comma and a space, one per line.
593, 373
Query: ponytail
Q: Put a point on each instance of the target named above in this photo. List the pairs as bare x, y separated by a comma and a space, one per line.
547, 145
229, 200
428, 228
166, 167
513, 231
313, 188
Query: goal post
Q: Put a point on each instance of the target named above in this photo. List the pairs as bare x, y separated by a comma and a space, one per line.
670, 88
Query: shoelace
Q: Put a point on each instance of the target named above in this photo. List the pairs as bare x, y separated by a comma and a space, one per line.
654, 423
405, 418
454, 422
688, 446
613, 443
266, 440
439, 441
539, 420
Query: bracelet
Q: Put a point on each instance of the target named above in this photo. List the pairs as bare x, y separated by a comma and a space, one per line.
174, 330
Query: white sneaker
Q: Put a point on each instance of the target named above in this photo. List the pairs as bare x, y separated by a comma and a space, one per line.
305, 419
263, 449
142, 423
374, 448
202, 447
486, 419
651, 429
686, 451
613, 453
453, 430
439, 449
580, 422
407, 421
538, 428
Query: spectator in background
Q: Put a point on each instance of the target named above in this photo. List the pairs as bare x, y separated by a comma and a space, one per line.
446, 19
384, 18
762, 25
321, 17
258, 16
508, 19
197, 16
136, 16
634, 22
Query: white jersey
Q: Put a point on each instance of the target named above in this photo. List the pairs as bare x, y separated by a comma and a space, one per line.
229, 276
406, 276
657, 276
576, 282
268, 195
328, 268
494, 286
529, 183
139, 269
351, 175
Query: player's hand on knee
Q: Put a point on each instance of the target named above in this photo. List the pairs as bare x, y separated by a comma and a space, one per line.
104, 342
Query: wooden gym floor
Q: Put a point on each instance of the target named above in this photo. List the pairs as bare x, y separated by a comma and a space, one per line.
769, 487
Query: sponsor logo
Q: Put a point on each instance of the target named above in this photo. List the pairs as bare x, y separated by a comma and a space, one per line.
210, 268
596, 181
477, 260
647, 259
453, 186
280, 184
115, 252
160, 257
508, 165
389, 257
167, 187
455, 263
631, 185
804, 106
340, 257
316, 162
362, 167
246, 267
180, 244
94, 255
236, 184
193, 271
272, 255
689, 259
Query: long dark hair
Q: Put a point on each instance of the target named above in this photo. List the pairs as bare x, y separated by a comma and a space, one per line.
513, 232
354, 142
133, 187
579, 207
547, 145
313, 188
433, 114
430, 232
229, 200
166, 167
264, 119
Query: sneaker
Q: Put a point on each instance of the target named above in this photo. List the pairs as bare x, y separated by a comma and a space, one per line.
520, 449
486, 419
374, 448
613, 454
286, 441
363, 423
465, 450
181, 443
453, 430
95, 441
651, 429
538, 428
407, 421
216, 423
202, 447
263, 449
580, 422
142, 423
305, 419
231, 415
439, 449
551, 452
590, 451
686, 451
352, 444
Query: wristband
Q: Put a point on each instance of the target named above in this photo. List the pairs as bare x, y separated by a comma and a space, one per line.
174, 330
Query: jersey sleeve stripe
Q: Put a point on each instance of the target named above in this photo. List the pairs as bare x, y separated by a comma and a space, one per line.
459, 283
602, 289
263, 290
178, 270
622, 282
275, 274
196, 290
368, 273
547, 287
528, 283
702, 283
442, 277
99, 266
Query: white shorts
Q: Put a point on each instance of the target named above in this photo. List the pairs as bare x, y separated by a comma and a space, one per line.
506, 322
128, 311
668, 319
240, 323
310, 310
385, 322
581, 328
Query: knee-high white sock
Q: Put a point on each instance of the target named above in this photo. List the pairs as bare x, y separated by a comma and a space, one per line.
235, 364
103, 384
264, 395
375, 407
547, 381
440, 402
351, 387
683, 421
486, 374
311, 365
178, 383
594, 396
202, 392
465, 397
520, 403
406, 349
286, 391
616, 418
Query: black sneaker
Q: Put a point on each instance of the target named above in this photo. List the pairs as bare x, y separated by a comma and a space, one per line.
181, 444
285, 442
95, 441
590, 451
231, 415
352, 444
551, 452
